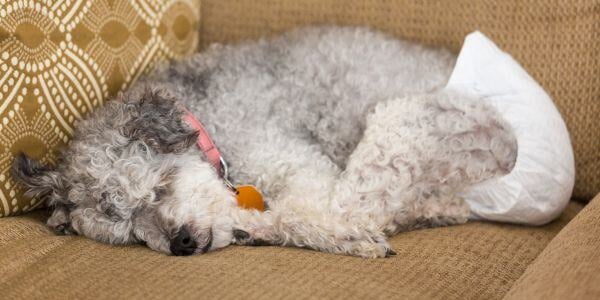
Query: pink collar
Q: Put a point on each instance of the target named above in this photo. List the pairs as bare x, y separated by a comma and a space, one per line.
206, 144
247, 196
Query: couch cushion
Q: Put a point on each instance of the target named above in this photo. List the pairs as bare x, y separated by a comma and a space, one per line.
476, 260
569, 266
558, 42
59, 61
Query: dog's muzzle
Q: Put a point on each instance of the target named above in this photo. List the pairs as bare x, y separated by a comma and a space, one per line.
184, 244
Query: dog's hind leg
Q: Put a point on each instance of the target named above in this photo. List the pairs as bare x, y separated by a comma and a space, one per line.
418, 153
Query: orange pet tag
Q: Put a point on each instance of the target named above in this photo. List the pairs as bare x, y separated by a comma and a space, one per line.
249, 197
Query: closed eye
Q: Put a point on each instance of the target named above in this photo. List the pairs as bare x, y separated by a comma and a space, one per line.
110, 211
107, 208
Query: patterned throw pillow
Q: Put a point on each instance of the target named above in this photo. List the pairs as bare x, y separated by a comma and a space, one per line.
60, 59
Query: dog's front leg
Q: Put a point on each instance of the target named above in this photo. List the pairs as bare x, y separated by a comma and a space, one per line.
309, 229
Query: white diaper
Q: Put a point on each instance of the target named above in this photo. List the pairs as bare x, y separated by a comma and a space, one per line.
540, 185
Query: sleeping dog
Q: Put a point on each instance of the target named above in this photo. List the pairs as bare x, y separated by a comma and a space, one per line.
348, 134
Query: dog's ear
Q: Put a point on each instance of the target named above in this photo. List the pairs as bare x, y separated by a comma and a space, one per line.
158, 121
39, 181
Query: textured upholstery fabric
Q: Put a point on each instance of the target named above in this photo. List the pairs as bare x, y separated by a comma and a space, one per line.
569, 267
472, 261
557, 41
61, 59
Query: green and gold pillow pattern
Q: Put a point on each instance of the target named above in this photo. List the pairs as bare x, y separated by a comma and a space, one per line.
60, 59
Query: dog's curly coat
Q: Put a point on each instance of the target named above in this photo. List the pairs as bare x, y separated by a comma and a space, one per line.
347, 132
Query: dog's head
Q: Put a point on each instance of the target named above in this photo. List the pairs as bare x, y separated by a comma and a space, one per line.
131, 175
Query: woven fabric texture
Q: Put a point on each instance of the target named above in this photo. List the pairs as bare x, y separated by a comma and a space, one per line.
472, 261
569, 266
61, 59
557, 41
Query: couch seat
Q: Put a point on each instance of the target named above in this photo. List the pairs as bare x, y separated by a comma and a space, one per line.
475, 260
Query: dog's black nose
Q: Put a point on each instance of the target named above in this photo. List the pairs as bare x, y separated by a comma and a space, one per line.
183, 244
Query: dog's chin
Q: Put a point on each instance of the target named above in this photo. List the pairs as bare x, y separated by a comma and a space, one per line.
220, 239
211, 240
204, 244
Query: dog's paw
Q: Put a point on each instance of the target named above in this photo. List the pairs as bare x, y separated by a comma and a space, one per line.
374, 246
243, 238
376, 250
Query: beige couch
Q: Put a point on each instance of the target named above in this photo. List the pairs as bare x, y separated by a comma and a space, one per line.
558, 42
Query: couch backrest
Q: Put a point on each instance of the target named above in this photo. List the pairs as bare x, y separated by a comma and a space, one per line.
557, 41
